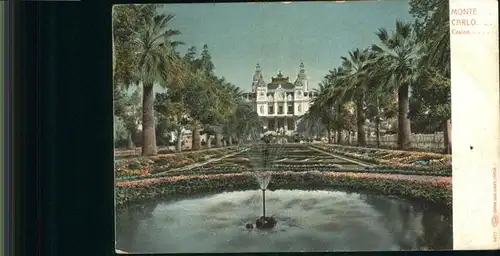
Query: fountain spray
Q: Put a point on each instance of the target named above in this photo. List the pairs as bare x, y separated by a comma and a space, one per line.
264, 203
266, 160
263, 175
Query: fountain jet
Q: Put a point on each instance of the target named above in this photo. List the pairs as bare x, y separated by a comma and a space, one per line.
264, 222
263, 158
263, 178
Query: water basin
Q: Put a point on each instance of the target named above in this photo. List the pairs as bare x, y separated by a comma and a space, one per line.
306, 221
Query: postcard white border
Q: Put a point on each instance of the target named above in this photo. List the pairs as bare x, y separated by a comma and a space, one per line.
475, 119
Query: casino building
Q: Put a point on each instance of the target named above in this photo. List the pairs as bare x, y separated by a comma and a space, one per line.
280, 103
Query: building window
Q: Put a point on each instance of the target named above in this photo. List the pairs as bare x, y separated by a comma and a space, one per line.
299, 108
262, 109
270, 110
280, 110
290, 109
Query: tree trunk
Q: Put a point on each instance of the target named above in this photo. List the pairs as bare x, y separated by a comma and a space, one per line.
377, 130
404, 128
329, 135
148, 122
230, 140
360, 123
130, 144
447, 136
218, 140
349, 138
337, 116
209, 141
178, 146
196, 138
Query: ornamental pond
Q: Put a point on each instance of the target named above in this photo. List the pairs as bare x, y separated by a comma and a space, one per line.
306, 220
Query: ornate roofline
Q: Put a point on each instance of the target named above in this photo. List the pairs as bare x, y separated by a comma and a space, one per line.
280, 79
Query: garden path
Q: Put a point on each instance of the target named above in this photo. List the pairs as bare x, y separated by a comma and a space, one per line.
373, 148
191, 166
341, 158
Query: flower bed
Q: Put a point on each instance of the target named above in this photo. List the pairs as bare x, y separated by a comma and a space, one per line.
423, 161
215, 168
126, 168
432, 189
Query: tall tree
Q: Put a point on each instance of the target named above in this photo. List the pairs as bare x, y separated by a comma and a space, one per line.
206, 63
247, 125
356, 81
127, 20
380, 107
171, 108
339, 96
431, 106
434, 34
158, 64
204, 89
399, 57
196, 102
190, 56
323, 109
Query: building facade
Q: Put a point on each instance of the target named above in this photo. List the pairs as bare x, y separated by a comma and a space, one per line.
280, 103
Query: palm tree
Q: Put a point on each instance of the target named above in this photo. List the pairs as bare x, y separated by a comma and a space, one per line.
380, 107
232, 109
310, 125
336, 96
356, 81
330, 107
398, 55
158, 64
247, 122
323, 108
198, 102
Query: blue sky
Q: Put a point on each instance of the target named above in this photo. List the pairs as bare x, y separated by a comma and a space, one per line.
279, 36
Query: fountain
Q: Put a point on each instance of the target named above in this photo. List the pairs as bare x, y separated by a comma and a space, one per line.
264, 222
263, 176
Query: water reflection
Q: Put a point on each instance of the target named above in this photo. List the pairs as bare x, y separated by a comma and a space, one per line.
415, 225
307, 221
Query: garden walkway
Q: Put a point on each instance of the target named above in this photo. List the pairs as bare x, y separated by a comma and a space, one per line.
341, 157
191, 166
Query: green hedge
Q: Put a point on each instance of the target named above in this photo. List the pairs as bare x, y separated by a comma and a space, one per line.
428, 190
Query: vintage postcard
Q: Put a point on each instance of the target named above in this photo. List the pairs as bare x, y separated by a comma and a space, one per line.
306, 126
